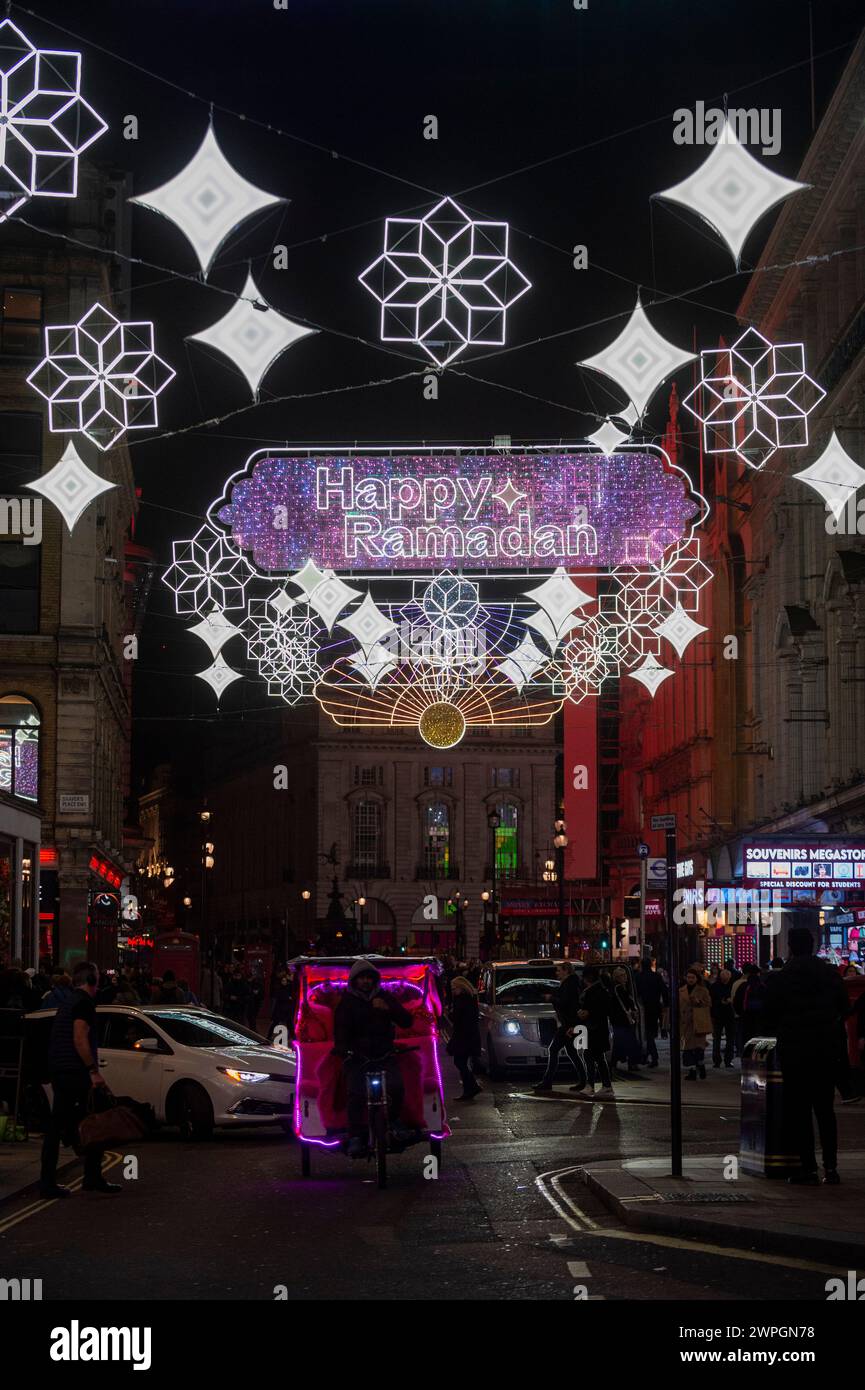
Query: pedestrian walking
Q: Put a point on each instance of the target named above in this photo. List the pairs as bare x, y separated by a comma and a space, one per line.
655, 998
805, 1004
169, 991
594, 1013
566, 1002
465, 1040
282, 1007
748, 996
723, 1018
623, 1019
695, 1022
74, 1072
235, 994
254, 1001
60, 991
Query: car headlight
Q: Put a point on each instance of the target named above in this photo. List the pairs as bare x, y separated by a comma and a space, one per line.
511, 1027
244, 1078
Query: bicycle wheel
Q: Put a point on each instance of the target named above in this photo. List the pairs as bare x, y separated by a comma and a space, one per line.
380, 1134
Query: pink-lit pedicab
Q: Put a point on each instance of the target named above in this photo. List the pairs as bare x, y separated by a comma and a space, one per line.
320, 1117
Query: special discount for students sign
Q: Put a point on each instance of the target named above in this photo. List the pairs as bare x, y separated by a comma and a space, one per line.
827, 863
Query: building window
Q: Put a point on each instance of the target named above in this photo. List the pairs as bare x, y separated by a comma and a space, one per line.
437, 855
506, 777
19, 747
21, 326
368, 776
507, 839
367, 834
438, 776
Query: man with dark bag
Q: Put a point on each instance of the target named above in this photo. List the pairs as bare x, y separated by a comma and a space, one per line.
74, 1075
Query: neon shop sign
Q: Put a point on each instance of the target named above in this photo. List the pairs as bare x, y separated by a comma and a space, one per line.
408, 512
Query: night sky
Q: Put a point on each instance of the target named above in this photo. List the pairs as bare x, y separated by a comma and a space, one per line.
556, 121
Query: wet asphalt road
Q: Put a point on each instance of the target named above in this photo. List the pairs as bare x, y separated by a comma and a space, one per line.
233, 1219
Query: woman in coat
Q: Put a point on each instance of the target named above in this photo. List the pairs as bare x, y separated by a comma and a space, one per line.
465, 1039
695, 1023
623, 1017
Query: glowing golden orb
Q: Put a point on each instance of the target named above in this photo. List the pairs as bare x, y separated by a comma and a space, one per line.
442, 725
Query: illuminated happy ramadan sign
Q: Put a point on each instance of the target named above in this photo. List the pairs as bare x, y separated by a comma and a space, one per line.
416, 512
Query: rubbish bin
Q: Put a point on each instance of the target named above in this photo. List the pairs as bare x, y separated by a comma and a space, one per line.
765, 1150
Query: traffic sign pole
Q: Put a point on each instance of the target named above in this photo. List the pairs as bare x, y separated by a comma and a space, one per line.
675, 1042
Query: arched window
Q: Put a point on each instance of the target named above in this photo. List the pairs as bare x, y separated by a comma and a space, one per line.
367, 834
436, 839
19, 747
507, 839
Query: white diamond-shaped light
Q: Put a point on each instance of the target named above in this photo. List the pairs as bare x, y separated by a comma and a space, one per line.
608, 437
251, 335
70, 485
45, 123
639, 359
207, 200
679, 629
651, 674
219, 677
330, 597
368, 624
215, 630
835, 475
559, 596
731, 190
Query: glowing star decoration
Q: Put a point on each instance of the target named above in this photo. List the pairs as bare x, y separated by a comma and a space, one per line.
450, 603
329, 597
215, 630
835, 475
585, 666
639, 359
753, 398
206, 572
679, 629
373, 664
100, 377
608, 437
45, 123
524, 663
651, 674
558, 596
310, 577
219, 677
368, 624
284, 644
444, 281
509, 496
207, 200
731, 191
251, 335
70, 485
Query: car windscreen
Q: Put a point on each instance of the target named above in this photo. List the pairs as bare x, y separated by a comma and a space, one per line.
197, 1031
526, 990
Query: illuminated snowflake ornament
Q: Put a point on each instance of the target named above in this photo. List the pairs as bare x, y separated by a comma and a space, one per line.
284, 644
753, 398
731, 191
252, 335
834, 475
651, 675
524, 663
639, 359
587, 663
368, 624
215, 630
206, 572
679, 629
70, 485
207, 200
45, 123
100, 377
444, 282
219, 677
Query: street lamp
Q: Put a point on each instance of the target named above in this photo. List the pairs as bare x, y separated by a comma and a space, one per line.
360, 904
494, 820
207, 864
459, 904
560, 843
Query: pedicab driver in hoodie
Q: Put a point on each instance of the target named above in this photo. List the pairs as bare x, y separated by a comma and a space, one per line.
364, 1028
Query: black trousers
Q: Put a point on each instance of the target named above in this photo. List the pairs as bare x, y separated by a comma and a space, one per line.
562, 1039
809, 1090
462, 1062
355, 1078
597, 1067
71, 1093
723, 1030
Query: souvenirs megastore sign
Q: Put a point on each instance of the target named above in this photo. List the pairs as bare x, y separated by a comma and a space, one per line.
804, 864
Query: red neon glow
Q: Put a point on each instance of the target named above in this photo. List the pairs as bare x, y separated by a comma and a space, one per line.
49, 858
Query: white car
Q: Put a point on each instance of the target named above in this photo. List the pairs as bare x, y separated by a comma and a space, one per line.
517, 1016
197, 1069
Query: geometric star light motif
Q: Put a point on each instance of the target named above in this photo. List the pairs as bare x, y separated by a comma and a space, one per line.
70, 485
835, 475
219, 676
252, 335
368, 624
45, 123
651, 674
679, 629
756, 398
284, 644
206, 571
444, 281
731, 190
100, 377
215, 630
639, 359
206, 200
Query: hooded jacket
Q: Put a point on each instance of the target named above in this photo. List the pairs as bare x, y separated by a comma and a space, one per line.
358, 1025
